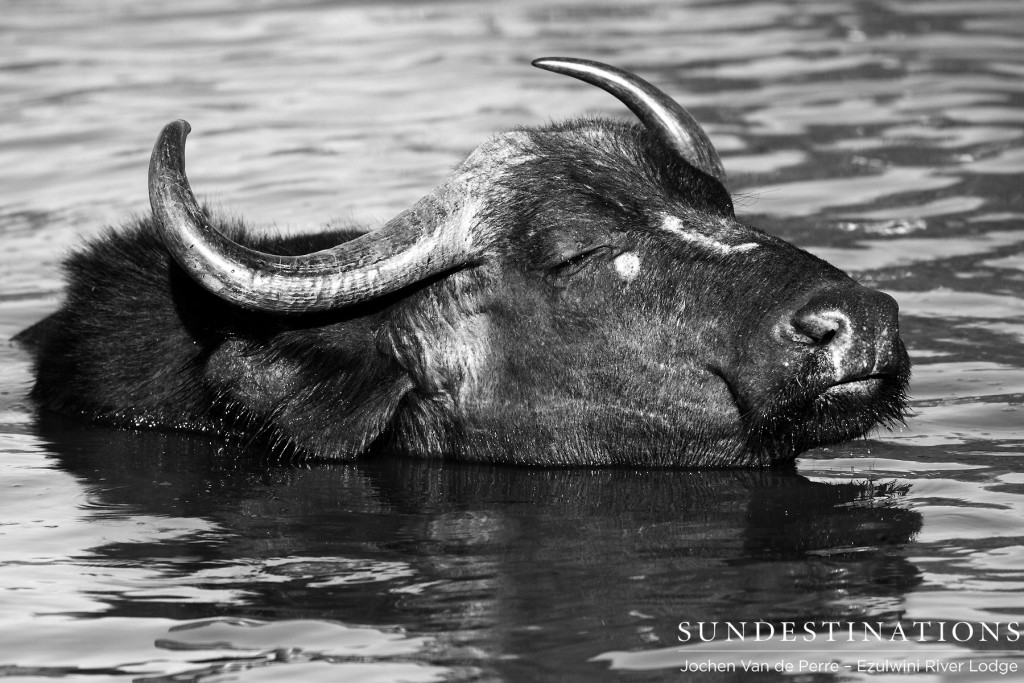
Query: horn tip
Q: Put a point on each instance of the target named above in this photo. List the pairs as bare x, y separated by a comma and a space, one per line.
587, 70
179, 128
555, 63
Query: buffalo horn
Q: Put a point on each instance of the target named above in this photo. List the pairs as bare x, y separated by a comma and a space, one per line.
411, 247
658, 112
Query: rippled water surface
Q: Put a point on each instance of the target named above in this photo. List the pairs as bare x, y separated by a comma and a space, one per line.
887, 137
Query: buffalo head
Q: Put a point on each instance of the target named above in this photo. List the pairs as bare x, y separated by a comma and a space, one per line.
580, 293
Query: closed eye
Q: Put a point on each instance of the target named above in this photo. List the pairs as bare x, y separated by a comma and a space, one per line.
576, 263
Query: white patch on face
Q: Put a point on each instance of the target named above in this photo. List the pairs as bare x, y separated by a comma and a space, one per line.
675, 226
627, 266
839, 350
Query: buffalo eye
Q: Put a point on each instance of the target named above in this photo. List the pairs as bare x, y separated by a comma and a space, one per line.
574, 262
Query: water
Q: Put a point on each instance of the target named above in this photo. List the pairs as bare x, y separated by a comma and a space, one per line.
886, 137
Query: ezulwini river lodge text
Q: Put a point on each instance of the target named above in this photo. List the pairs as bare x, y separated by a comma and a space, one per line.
850, 631
940, 666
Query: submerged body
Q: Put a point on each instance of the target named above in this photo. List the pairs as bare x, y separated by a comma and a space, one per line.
575, 294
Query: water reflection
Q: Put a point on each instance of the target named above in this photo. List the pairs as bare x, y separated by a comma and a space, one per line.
487, 563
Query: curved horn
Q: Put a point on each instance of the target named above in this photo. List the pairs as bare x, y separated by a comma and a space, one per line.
412, 246
659, 112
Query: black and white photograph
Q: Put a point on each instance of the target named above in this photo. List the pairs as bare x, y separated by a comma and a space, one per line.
512, 341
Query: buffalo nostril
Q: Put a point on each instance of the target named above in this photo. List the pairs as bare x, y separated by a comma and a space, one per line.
818, 327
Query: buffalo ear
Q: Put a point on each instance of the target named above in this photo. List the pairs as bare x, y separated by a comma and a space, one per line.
37, 336
332, 403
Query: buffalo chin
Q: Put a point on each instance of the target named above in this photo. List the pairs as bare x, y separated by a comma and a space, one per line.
840, 412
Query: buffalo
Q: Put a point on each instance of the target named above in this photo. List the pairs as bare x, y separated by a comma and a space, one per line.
579, 293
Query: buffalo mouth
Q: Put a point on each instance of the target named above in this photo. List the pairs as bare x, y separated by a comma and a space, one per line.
865, 386
799, 417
